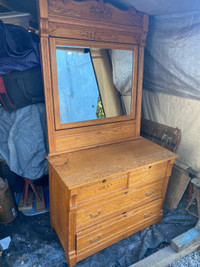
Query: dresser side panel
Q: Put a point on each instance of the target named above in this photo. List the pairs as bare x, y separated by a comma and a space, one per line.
59, 207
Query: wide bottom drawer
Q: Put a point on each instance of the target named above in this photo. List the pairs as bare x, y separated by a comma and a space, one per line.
119, 225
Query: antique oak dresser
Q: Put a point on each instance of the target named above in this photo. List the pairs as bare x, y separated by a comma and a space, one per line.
106, 181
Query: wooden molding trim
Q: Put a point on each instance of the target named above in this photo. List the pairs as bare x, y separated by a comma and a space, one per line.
95, 11
92, 20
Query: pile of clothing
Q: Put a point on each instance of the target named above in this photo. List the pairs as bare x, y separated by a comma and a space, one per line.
23, 142
20, 73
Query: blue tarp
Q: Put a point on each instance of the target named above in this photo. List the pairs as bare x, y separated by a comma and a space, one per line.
23, 140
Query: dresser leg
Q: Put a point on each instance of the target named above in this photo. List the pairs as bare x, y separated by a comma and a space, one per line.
71, 258
160, 216
51, 222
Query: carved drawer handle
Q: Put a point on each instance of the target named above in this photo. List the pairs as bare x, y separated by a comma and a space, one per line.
150, 194
95, 216
147, 216
94, 241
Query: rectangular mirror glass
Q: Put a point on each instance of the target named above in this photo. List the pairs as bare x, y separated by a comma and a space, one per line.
93, 83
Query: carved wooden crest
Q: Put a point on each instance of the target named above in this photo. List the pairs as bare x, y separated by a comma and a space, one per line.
99, 10
94, 10
61, 7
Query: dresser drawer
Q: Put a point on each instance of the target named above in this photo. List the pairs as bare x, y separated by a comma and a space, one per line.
103, 186
88, 216
119, 225
145, 173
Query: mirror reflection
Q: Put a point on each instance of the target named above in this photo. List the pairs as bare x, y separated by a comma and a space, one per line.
93, 83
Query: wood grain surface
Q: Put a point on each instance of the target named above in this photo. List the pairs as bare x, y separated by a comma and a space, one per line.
88, 166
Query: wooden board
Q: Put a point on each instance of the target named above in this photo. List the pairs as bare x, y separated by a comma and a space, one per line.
178, 183
189, 238
29, 205
40, 205
161, 134
164, 257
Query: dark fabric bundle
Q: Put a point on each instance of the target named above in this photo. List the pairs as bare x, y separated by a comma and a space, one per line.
19, 49
21, 88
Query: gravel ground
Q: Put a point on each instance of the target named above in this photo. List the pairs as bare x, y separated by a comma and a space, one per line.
192, 260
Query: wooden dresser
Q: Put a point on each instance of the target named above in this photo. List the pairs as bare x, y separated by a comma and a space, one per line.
106, 181
102, 195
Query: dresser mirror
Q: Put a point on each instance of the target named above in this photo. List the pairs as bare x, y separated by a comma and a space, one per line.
92, 60
92, 85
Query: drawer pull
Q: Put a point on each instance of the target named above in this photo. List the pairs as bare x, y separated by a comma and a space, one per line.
94, 241
150, 194
95, 216
147, 216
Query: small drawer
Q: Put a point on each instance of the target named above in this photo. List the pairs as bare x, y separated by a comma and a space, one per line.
119, 225
150, 172
103, 186
88, 216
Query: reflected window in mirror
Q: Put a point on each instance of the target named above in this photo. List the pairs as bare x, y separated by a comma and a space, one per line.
93, 83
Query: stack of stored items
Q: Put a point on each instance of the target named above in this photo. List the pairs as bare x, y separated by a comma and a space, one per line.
22, 112
21, 79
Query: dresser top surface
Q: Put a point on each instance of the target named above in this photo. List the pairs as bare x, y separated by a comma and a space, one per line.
87, 166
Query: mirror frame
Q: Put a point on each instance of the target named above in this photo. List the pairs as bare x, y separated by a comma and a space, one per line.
58, 124
95, 24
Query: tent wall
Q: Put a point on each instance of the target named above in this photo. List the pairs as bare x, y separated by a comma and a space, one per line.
172, 80
172, 58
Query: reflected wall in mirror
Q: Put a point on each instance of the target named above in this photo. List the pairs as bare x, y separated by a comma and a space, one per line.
93, 83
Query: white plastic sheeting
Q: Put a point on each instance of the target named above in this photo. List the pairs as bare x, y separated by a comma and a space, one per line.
172, 57
178, 112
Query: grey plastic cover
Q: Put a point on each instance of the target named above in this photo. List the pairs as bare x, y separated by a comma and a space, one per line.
172, 58
23, 140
